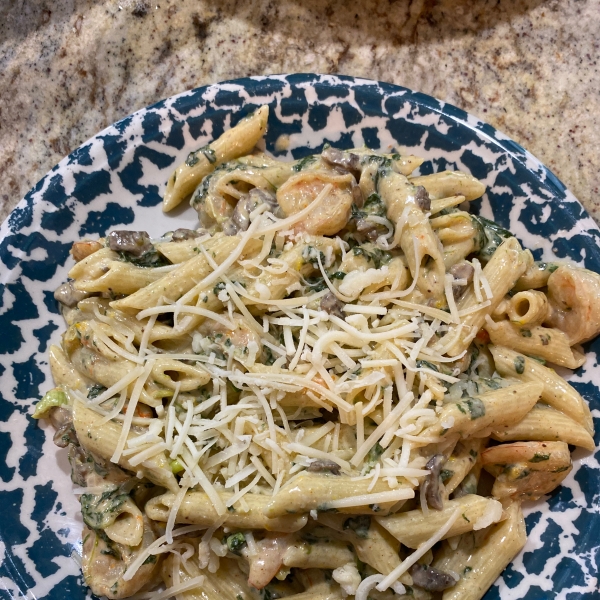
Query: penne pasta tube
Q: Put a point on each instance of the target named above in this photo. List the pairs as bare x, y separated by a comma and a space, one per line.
450, 183
528, 308
412, 528
228, 582
102, 439
486, 562
127, 526
440, 204
173, 285
328, 554
557, 392
64, 373
417, 239
372, 543
179, 252
239, 140
175, 374
317, 492
501, 272
536, 276
550, 344
460, 463
197, 508
118, 278
104, 563
498, 409
545, 423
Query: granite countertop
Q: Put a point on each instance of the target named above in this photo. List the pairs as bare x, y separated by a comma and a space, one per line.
528, 67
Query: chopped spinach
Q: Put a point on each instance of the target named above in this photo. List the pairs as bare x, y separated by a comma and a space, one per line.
95, 391
236, 543
375, 206
372, 458
519, 363
476, 407
446, 475
98, 510
151, 258
427, 365
150, 560
192, 158
489, 236
303, 163
316, 283
539, 457
360, 525
337, 275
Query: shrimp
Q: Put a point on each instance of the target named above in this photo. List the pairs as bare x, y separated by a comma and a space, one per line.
332, 213
527, 470
83, 249
574, 308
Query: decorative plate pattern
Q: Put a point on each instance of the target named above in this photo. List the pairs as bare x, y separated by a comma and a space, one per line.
117, 178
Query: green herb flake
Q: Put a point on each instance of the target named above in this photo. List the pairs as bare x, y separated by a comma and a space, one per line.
446, 475
97, 509
538, 457
303, 163
372, 458
561, 469
466, 518
150, 560
337, 275
476, 407
236, 543
95, 391
519, 363
424, 364
526, 333
360, 525
192, 158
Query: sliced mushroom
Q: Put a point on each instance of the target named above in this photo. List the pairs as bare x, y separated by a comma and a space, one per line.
433, 493
134, 242
331, 305
462, 272
324, 466
240, 219
67, 295
181, 234
422, 199
431, 579
344, 160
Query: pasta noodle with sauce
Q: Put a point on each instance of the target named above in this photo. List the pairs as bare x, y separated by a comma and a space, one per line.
330, 389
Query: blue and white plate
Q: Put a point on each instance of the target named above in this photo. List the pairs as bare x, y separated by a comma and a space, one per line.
117, 179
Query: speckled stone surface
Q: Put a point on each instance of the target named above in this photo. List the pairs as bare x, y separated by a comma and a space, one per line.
528, 67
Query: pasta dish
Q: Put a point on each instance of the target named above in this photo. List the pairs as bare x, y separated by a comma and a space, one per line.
338, 386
